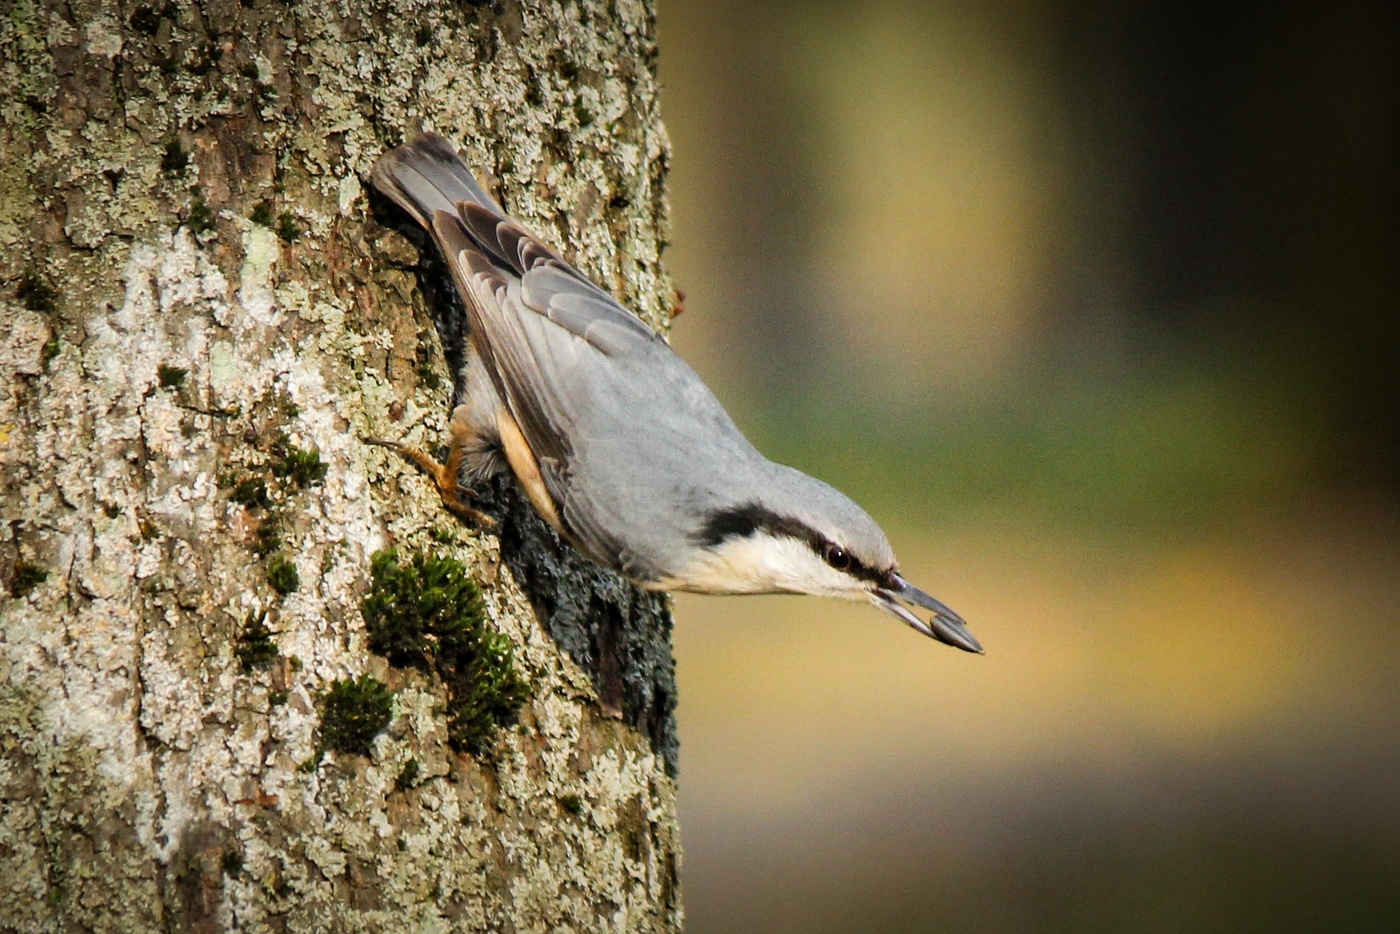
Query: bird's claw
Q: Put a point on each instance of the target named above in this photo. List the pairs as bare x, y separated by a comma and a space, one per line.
444, 477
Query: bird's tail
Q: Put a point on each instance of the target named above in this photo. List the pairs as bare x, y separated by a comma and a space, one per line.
425, 176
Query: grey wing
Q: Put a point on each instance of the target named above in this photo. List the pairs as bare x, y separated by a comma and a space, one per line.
555, 345
552, 288
427, 176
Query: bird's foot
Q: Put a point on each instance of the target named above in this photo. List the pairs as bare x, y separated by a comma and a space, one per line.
444, 476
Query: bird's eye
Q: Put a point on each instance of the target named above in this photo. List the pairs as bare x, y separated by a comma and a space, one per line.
836, 556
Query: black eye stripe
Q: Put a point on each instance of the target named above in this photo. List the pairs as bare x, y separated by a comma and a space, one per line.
743, 521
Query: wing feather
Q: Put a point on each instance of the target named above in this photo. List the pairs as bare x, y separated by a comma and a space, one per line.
545, 333
427, 176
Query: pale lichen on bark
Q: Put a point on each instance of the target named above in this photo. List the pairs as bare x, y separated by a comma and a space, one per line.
148, 782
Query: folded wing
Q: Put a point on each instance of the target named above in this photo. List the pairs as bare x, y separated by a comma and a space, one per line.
545, 332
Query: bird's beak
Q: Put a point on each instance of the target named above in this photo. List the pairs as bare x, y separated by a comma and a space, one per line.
945, 626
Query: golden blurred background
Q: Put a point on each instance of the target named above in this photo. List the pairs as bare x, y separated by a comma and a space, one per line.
1094, 306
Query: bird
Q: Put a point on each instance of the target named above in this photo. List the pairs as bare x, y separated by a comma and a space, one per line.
616, 442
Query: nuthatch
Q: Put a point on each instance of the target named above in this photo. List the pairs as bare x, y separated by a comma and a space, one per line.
616, 442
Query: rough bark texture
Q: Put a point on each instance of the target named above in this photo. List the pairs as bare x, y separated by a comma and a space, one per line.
183, 188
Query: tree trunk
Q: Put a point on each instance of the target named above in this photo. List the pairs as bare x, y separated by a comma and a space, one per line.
216, 712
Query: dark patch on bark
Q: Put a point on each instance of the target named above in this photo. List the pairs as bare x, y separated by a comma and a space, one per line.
618, 633
194, 880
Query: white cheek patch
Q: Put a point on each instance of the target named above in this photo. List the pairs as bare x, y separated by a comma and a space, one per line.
767, 564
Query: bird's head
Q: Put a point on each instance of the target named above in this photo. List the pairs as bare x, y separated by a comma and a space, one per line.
819, 543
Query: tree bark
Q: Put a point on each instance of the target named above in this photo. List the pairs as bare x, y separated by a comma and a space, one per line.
204, 312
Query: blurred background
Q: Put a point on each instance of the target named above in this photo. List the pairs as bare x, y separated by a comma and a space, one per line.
1095, 307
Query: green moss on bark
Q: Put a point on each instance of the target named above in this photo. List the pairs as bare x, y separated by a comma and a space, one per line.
171, 377
353, 713
302, 467
282, 575
255, 646
26, 577
36, 294
426, 613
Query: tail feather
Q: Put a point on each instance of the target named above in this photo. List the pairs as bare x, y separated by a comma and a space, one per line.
426, 176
